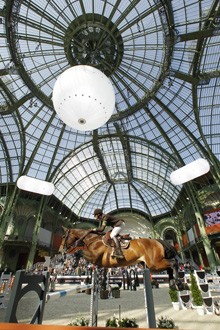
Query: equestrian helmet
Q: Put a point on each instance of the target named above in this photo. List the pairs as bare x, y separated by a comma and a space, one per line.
98, 211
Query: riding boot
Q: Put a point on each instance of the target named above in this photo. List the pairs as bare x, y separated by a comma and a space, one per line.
117, 252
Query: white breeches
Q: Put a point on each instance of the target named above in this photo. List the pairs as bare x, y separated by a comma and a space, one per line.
116, 230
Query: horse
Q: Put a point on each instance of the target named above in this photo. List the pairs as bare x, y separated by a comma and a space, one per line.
156, 255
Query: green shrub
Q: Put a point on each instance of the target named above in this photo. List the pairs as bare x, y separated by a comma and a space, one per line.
173, 295
197, 299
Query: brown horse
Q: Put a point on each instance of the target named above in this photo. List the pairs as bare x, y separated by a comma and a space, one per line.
151, 252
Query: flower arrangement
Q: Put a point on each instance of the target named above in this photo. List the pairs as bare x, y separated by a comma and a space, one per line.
166, 323
80, 321
123, 323
112, 322
127, 323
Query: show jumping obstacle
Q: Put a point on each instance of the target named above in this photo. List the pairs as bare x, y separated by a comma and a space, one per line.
94, 286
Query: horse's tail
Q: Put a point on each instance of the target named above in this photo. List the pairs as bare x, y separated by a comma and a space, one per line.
169, 250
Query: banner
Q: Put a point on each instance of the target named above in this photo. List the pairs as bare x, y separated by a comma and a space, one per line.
212, 218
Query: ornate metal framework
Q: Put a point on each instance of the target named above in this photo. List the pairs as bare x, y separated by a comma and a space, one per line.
163, 60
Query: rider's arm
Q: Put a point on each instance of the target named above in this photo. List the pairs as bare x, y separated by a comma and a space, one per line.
101, 229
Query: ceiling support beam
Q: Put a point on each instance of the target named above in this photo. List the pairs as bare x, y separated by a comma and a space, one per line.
99, 155
126, 150
196, 35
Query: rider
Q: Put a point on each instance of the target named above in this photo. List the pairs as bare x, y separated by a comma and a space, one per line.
116, 223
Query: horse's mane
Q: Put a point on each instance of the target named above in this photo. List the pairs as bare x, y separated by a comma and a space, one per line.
82, 232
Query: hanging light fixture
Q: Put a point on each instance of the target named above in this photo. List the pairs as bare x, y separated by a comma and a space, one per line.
190, 171
83, 97
35, 185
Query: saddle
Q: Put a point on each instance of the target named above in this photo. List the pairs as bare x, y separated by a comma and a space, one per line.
124, 240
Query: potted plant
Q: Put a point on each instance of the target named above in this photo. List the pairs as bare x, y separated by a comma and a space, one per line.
197, 299
115, 291
174, 298
104, 293
155, 284
166, 323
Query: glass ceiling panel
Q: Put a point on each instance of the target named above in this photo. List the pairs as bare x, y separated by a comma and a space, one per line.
82, 174
211, 59
209, 106
163, 60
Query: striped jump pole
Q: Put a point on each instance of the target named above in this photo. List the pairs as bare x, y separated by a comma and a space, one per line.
72, 291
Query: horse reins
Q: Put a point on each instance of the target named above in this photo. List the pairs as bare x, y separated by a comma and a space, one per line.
77, 242
65, 238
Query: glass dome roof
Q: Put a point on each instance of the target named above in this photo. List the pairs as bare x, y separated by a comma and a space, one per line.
162, 58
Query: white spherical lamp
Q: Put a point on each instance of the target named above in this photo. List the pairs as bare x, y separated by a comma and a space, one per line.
83, 97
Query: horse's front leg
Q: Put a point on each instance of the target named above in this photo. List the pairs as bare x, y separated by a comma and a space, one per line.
77, 255
174, 267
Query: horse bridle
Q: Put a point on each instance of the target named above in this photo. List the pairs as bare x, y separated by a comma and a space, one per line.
75, 243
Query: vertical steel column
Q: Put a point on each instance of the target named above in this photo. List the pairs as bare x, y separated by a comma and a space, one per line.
94, 300
149, 301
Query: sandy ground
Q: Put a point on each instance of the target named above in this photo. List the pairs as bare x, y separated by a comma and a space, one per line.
131, 304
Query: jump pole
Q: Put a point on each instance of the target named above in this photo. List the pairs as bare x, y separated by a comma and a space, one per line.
63, 293
149, 301
94, 297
